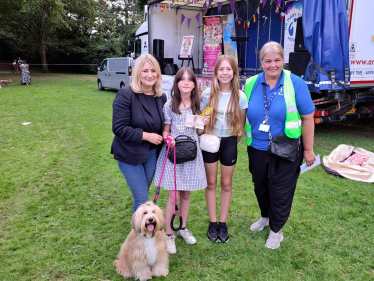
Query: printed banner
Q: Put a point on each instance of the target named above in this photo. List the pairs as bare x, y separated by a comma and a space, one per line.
361, 44
293, 10
212, 43
228, 25
167, 85
186, 48
203, 84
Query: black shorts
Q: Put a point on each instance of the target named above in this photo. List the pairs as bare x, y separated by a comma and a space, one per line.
227, 153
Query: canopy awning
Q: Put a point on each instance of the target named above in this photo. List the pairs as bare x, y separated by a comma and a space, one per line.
188, 4
325, 27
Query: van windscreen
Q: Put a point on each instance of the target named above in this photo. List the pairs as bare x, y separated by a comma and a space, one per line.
117, 65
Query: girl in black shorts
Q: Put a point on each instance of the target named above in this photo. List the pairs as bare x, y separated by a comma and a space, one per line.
229, 106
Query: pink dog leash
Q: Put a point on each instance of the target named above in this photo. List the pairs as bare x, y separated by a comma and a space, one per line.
168, 143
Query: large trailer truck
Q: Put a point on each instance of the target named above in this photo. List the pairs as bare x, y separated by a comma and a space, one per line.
333, 35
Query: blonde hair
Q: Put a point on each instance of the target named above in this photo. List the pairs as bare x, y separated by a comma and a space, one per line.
233, 103
136, 84
271, 47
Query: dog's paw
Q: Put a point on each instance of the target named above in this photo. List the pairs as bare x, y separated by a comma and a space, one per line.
144, 277
160, 272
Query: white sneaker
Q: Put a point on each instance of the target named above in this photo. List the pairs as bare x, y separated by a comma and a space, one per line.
274, 240
260, 224
187, 236
170, 244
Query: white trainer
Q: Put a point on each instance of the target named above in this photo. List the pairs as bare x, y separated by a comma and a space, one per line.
274, 240
187, 236
170, 244
260, 224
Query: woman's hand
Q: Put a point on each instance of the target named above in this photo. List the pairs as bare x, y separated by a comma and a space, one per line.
206, 120
309, 157
152, 138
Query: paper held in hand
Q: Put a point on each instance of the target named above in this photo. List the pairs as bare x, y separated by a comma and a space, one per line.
194, 121
304, 167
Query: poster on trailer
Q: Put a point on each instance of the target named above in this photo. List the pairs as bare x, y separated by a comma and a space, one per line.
293, 10
228, 25
212, 43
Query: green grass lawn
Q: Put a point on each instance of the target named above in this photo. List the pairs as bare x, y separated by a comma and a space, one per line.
65, 208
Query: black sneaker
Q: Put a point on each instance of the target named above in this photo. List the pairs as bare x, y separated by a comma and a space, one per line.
223, 234
213, 231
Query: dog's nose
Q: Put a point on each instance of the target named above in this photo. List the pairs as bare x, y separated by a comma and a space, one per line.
150, 219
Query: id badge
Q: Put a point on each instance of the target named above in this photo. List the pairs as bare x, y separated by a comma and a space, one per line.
264, 127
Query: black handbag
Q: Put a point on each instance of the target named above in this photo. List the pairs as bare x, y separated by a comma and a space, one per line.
284, 147
186, 150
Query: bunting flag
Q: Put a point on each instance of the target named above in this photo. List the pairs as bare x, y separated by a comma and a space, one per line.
277, 9
210, 3
205, 6
198, 18
264, 3
232, 5
183, 17
220, 6
162, 8
244, 24
189, 21
258, 10
248, 23
254, 18
155, 7
246, 1
282, 15
279, 2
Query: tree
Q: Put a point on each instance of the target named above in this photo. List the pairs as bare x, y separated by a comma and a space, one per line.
34, 23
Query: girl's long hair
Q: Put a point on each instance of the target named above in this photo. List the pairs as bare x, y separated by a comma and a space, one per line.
233, 109
176, 98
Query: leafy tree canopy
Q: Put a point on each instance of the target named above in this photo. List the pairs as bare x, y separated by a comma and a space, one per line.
79, 31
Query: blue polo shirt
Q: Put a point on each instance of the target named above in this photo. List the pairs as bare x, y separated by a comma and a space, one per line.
277, 113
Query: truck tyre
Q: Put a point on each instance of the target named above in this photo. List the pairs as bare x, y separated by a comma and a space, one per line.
122, 85
101, 88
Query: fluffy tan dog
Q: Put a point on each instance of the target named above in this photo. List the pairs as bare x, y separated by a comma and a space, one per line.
144, 253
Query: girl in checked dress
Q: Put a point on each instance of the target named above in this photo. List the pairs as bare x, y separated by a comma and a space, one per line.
190, 175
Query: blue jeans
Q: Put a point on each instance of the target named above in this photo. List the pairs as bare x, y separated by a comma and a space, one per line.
139, 177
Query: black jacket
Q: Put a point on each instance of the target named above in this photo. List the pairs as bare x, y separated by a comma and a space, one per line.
130, 118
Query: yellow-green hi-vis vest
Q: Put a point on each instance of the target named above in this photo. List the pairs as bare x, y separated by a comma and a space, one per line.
292, 126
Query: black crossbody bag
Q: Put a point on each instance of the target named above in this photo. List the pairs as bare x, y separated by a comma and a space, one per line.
281, 145
186, 149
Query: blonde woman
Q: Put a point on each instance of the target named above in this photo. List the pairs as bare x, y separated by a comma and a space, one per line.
138, 123
229, 106
270, 115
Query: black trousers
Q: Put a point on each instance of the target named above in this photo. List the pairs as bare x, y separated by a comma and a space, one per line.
275, 183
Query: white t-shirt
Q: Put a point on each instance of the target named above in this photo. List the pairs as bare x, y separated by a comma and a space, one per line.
224, 98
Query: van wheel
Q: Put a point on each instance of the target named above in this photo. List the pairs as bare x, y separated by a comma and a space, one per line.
101, 88
122, 85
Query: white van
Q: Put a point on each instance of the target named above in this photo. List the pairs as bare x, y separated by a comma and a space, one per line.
114, 73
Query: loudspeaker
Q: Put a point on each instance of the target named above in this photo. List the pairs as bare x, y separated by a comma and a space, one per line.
299, 36
168, 60
158, 48
161, 63
298, 62
171, 69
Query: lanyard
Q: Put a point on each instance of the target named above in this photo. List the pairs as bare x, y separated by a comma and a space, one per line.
267, 103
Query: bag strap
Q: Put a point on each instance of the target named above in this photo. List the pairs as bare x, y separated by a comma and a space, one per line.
224, 115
